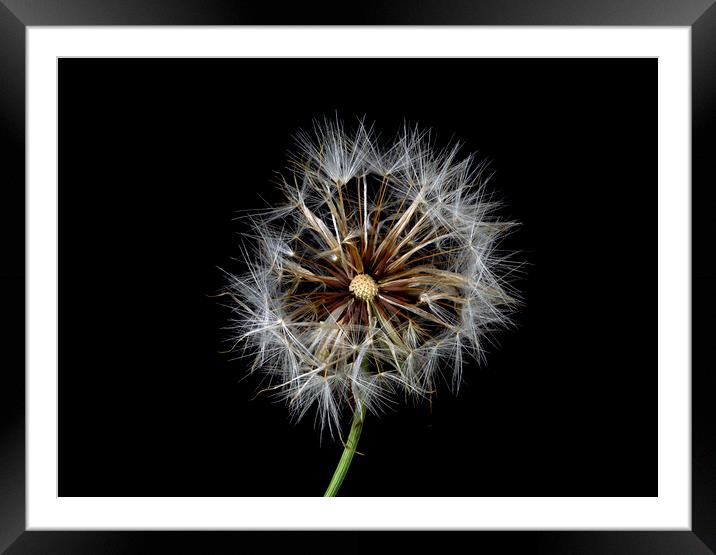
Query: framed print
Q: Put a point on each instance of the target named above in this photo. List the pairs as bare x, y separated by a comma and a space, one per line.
405, 261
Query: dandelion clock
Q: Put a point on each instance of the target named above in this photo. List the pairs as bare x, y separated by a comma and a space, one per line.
373, 280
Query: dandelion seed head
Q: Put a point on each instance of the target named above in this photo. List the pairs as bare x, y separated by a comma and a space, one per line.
376, 275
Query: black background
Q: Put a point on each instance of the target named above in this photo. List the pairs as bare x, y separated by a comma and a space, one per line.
155, 158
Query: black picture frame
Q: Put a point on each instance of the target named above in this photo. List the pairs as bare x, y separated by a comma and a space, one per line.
16, 15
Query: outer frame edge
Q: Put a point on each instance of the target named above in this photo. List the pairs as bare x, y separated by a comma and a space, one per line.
12, 506
12, 277
703, 101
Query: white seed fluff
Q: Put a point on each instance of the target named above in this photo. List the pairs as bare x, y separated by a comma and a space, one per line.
374, 277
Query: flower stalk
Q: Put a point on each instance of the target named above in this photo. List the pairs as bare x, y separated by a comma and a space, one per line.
347, 457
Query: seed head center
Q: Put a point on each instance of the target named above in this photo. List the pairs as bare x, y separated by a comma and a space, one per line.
363, 287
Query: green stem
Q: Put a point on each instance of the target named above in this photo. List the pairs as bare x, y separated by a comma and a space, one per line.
347, 457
